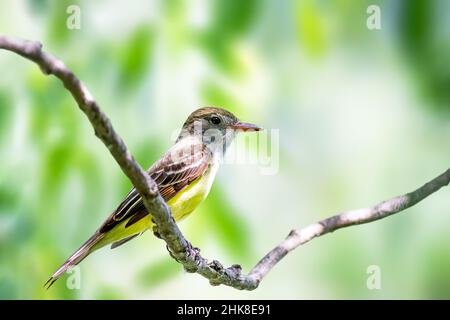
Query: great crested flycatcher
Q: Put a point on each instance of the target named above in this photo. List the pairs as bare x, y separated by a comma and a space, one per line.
184, 176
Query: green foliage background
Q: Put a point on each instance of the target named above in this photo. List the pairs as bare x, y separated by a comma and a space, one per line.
362, 116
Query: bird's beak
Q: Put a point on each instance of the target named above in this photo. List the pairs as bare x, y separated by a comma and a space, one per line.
245, 126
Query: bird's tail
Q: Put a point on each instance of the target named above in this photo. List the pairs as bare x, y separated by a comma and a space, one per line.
88, 247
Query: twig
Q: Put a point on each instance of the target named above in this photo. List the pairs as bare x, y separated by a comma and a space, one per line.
179, 248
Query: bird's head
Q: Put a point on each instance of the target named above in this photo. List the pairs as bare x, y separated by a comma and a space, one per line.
214, 123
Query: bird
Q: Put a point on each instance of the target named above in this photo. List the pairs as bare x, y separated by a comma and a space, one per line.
184, 176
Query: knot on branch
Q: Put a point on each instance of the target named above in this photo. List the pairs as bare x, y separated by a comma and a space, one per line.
226, 276
292, 233
216, 266
234, 271
32, 48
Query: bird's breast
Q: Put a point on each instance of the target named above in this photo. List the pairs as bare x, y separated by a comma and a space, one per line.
188, 199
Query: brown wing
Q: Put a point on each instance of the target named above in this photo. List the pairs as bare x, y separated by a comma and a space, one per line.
182, 164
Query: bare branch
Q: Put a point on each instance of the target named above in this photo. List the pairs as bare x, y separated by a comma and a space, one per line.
347, 219
179, 248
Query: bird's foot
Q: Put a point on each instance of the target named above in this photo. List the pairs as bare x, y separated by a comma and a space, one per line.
193, 253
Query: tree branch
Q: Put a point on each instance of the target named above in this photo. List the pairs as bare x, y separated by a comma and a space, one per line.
179, 248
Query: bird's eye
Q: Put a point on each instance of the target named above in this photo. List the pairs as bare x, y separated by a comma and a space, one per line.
215, 120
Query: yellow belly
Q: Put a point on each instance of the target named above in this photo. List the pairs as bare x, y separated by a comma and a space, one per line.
181, 205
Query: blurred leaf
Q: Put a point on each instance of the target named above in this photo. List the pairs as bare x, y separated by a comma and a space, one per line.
416, 23
337, 272
173, 8
6, 107
215, 95
16, 229
39, 6
148, 151
109, 293
8, 291
178, 36
134, 57
220, 53
48, 103
229, 228
232, 18
9, 197
427, 49
55, 167
435, 265
58, 31
158, 272
310, 28
86, 166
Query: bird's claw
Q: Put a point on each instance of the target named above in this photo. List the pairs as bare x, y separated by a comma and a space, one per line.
192, 252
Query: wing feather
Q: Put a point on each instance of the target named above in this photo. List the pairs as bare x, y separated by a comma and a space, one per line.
171, 173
